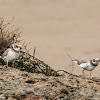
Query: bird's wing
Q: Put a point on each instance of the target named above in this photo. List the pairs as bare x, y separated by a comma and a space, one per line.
5, 53
79, 61
83, 61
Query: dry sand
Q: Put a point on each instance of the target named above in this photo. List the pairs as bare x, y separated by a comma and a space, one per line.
21, 85
57, 28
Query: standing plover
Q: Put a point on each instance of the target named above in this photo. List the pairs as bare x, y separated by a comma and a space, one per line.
87, 65
11, 54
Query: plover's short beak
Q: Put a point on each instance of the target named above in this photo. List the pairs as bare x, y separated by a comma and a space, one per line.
98, 60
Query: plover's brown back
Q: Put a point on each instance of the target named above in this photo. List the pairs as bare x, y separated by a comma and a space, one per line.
79, 61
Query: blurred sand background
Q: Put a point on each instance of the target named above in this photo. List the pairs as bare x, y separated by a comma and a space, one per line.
57, 28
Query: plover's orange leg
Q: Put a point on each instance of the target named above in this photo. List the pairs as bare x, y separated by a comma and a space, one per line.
13, 64
84, 74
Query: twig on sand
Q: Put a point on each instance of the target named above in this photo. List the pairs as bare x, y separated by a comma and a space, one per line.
34, 51
67, 73
71, 63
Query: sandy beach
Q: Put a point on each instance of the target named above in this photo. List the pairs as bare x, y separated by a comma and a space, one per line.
57, 28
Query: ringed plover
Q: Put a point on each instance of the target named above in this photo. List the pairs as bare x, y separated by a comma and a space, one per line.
11, 54
87, 65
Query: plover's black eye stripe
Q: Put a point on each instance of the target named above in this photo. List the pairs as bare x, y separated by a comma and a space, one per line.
93, 60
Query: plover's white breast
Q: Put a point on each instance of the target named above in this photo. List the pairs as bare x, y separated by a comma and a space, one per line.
11, 55
87, 66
